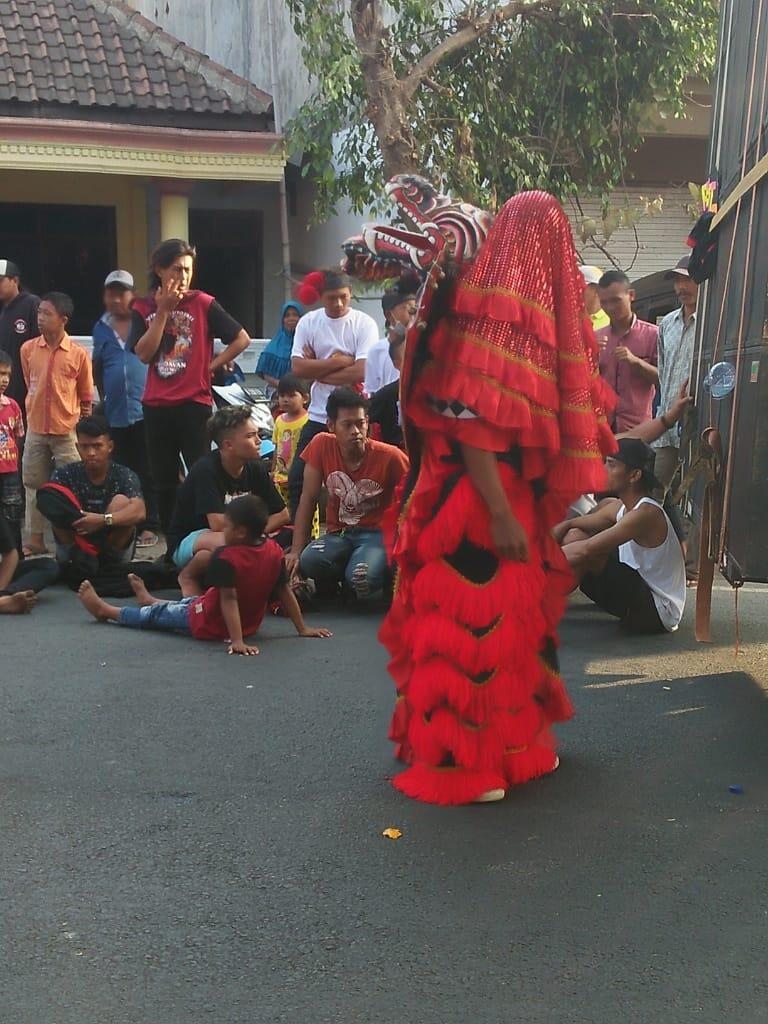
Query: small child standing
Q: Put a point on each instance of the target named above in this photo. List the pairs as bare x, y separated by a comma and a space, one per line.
243, 576
293, 398
11, 432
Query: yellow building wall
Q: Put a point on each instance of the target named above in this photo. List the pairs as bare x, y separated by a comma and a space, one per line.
126, 194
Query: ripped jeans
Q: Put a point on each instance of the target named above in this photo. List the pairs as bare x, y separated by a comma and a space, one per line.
356, 556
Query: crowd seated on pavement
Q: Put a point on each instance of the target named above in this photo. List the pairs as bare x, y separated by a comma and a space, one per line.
621, 546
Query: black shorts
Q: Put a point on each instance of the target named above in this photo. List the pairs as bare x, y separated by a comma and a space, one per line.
622, 591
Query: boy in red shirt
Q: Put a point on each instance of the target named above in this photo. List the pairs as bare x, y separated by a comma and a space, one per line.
242, 575
11, 432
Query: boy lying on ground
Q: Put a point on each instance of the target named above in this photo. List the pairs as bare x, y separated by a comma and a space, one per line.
243, 576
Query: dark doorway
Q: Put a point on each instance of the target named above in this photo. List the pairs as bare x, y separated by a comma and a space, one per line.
229, 261
62, 248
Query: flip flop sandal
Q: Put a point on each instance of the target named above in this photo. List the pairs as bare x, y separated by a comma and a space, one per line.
30, 552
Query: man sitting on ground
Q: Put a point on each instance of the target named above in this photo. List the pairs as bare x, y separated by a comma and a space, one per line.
108, 499
232, 471
625, 555
360, 476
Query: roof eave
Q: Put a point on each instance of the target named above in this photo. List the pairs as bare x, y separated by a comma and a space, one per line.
240, 89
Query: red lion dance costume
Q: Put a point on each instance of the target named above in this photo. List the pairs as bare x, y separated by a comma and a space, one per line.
508, 366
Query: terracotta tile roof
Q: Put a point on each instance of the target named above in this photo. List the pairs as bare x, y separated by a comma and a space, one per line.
103, 53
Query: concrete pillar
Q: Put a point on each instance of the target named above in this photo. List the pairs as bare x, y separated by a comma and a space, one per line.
174, 214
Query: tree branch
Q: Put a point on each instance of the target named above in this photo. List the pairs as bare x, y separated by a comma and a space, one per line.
469, 34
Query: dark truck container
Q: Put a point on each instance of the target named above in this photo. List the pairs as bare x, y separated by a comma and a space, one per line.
730, 372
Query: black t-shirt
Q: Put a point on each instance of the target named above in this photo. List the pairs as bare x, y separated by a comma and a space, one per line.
18, 323
384, 410
96, 497
208, 489
220, 324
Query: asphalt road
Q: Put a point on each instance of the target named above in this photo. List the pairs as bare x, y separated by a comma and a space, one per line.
189, 837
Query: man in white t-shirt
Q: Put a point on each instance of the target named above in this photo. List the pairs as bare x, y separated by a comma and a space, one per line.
330, 347
625, 555
398, 308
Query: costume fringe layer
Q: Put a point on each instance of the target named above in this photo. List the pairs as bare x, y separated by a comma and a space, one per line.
467, 634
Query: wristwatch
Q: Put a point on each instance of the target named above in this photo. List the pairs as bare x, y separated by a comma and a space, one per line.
108, 518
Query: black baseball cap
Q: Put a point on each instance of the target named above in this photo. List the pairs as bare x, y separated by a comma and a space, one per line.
636, 454
9, 269
392, 299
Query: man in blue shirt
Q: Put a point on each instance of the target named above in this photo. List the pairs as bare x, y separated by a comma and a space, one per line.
120, 376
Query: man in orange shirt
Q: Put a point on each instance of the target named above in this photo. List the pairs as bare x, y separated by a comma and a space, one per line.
59, 382
361, 476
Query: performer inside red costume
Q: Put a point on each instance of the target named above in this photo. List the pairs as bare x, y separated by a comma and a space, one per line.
504, 415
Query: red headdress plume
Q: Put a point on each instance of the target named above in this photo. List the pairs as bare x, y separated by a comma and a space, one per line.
311, 288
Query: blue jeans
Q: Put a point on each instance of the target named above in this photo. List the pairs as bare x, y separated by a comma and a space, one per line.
356, 556
169, 615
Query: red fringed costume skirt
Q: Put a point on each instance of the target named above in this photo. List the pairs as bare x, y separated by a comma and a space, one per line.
473, 637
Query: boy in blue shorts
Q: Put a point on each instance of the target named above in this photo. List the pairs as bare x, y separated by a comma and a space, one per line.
243, 576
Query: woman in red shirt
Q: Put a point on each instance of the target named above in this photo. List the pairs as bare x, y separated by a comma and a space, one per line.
173, 331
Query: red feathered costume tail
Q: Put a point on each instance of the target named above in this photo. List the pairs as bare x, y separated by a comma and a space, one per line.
512, 369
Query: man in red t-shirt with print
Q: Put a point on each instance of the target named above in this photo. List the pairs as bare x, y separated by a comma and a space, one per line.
361, 476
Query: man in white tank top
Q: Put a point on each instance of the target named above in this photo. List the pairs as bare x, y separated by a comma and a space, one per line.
625, 555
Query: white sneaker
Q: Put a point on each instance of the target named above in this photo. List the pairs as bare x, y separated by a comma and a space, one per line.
490, 797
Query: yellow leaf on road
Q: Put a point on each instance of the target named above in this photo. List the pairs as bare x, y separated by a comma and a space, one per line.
391, 833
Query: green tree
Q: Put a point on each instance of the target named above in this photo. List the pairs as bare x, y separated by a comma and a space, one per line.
489, 98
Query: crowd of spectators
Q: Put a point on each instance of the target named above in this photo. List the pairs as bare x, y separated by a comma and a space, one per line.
243, 533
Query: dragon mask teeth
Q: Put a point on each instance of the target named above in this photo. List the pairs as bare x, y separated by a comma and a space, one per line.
435, 223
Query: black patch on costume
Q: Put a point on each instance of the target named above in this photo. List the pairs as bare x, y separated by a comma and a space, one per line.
474, 563
445, 491
513, 458
454, 409
549, 655
480, 631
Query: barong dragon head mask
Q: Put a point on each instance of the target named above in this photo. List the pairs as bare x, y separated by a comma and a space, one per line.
438, 227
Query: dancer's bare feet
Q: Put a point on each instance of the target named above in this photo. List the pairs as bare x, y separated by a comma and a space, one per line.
138, 586
18, 604
99, 609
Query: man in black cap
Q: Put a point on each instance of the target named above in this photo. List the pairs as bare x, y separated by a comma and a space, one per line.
398, 307
677, 333
626, 555
18, 323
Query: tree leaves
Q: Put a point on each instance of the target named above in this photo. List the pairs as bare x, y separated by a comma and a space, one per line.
555, 99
